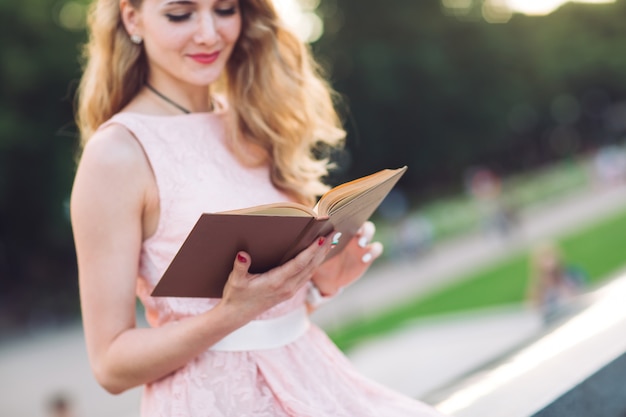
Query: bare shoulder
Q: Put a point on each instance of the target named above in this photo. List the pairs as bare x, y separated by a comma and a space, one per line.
114, 147
113, 167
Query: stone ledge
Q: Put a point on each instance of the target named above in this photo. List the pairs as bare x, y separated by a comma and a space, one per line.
569, 367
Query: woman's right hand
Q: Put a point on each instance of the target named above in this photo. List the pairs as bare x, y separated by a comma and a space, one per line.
249, 295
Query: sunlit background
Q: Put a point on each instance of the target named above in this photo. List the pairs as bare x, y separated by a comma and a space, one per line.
501, 11
301, 15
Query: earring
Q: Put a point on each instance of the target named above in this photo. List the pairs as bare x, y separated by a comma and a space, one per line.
136, 39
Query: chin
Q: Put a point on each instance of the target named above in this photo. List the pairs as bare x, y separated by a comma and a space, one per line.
204, 80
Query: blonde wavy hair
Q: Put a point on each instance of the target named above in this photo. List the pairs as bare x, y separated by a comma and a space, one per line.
277, 95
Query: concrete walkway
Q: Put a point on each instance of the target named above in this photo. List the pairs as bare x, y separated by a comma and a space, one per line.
428, 354
414, 360
34, 369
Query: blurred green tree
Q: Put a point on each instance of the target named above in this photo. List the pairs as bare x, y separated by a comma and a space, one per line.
38, 68
442, 93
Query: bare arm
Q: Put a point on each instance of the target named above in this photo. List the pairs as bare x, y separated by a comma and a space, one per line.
109, 200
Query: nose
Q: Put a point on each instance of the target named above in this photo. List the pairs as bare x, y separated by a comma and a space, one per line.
206, 32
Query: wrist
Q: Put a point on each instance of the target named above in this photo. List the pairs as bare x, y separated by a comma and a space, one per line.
233, 315
326, 288
316, 297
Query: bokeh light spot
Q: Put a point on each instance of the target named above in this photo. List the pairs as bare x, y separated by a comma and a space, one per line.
73, 15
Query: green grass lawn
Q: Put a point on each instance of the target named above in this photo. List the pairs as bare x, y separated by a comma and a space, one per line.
599, 250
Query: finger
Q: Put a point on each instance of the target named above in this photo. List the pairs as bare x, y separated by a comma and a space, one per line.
242, 263
330, 241
301, 269
324, 245
236, 278
374, 251
366, 233
302, 261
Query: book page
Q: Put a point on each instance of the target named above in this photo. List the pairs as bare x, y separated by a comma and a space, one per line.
352, 205
345, 193
276, 209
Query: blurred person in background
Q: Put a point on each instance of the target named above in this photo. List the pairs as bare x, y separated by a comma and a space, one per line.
609, 165
60, 405
414, 234
553, 284
200, 106
485, 187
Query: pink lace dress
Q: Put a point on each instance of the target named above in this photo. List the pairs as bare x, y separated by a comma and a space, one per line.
195, 172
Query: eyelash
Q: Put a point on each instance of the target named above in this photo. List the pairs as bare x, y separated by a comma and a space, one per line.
226, 12
182, 17
177, 17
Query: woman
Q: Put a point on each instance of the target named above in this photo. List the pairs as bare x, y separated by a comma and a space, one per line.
553, 285
203, 106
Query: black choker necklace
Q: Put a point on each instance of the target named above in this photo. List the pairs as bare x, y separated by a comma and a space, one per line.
178, 106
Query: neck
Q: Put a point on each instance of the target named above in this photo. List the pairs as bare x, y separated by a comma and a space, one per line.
187, 100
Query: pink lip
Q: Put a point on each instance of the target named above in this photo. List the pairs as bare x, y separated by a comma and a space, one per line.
205, 58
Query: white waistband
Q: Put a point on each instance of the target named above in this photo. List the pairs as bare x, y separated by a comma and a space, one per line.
266, 334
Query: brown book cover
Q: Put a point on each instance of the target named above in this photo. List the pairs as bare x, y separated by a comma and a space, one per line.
272, 234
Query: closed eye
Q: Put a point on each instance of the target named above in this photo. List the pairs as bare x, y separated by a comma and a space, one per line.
227, 12
177, 17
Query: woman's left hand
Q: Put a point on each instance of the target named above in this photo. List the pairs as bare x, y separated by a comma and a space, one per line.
350, 264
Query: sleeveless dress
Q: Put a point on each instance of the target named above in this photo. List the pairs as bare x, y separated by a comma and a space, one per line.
196, 172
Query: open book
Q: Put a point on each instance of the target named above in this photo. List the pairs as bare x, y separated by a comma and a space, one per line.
272, 234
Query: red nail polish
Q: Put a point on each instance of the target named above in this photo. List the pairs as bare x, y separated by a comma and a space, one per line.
241, 258
321, 241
